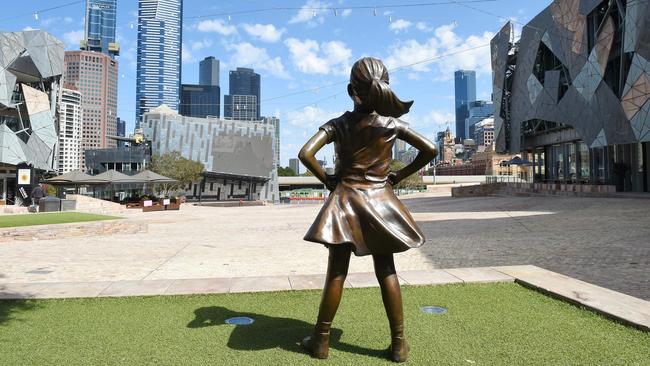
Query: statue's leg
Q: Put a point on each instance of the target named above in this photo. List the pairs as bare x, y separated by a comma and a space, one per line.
337, 270
392, 297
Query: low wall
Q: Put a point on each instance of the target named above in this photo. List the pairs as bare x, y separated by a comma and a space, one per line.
230, 203
535, 189
60, 231
480, 190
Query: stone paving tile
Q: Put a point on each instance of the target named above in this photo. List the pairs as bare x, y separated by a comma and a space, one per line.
19, 290
136, 288
628, 309
430, 277
479, 275
70, 290
365, 279
199, 286
260, 284
310, 282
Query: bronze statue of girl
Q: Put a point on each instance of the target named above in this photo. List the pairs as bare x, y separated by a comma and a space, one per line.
362, 214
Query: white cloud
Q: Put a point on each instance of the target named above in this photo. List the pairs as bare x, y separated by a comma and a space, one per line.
247, 55
187, 54
28, 28
310, 117
311, 13
423, 26
68, 20
73, 38
216, 26
189, 51
346, 13
431, 122
199, 45
447, 51
400, 25
264, 32
327, 58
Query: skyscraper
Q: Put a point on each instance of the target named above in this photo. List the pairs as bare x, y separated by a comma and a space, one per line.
209, 71
121, 131
200, 100
465, 85
94, 74
243, 100
204, 99
100, 27
160, 24
294, 164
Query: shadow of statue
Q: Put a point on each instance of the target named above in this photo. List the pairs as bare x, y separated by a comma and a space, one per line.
11, 304
269, 332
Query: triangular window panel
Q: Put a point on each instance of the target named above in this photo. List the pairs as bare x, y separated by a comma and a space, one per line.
547, 61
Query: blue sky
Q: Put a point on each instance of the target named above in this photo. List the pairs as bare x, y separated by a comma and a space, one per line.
302, 51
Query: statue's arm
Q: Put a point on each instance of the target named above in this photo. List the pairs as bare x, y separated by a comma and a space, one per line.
307, 155
427, 151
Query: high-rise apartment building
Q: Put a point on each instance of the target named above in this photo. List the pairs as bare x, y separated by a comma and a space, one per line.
94, 75
100, 27
465, 86
243, 100
160, 24
209, 71
70, 117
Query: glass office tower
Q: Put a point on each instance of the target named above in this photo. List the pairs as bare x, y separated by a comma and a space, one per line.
160, 24
465, 85
100, 27
239, 103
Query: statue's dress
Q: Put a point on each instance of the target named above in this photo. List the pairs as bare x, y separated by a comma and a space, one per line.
363, 210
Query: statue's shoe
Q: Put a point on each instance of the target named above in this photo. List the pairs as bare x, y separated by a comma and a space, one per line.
317, 345
398, 350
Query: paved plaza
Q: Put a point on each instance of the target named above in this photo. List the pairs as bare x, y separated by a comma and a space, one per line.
602, 241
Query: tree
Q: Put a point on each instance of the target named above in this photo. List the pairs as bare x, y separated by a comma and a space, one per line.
409, 182
286, 172
175, 166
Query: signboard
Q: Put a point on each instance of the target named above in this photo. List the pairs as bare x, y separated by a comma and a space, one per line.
147, 203
166, 201
24, 177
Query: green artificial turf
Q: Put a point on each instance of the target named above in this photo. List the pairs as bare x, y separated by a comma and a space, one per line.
50, 218
495, 324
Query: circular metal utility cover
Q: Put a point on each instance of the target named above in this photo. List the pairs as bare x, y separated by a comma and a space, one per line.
240, 320
438, 310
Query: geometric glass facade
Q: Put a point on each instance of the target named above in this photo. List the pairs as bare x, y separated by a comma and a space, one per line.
465, 93
158, 75
100, 27
574, 93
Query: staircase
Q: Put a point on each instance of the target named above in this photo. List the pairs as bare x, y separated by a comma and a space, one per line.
95, 205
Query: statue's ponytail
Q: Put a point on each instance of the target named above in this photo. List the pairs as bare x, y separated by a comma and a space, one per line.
369, 79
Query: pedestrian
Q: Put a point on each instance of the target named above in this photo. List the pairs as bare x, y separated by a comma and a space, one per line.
37, 194
362, 214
